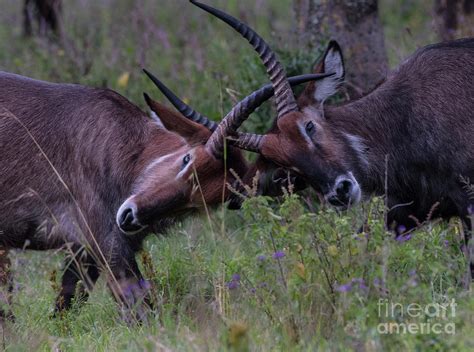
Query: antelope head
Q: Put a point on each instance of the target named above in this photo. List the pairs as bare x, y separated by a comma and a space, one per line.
183, 168
272, 178
300, 140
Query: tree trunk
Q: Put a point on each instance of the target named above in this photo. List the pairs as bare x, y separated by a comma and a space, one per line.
454, 18
47, 14
357, 28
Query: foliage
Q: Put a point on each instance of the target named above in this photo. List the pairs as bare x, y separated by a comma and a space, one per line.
285, 278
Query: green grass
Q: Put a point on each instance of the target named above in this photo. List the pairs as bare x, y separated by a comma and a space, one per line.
324, 293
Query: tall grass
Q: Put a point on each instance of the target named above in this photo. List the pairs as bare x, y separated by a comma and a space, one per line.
283, 278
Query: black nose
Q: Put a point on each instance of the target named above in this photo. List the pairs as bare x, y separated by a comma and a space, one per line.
128, 221
235, 202
343, 194
344, 189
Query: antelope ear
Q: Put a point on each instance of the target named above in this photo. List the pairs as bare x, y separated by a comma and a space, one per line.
331, 62
175, 122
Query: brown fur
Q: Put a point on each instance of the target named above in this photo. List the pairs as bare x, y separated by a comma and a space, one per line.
420, 119
70, 157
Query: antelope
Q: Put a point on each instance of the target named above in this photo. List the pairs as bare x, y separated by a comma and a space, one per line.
410, 139
86, 170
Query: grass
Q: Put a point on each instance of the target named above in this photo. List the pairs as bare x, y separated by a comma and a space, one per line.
281, 274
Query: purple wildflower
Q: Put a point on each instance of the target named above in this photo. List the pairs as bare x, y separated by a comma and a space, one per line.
136, 288
361, 283
17, 286
128, 290
401, 229
232, 285
377, 282
278, 255
261, 258
404, 238
357, 282
412, 281
446, 243
253, 290
412, 272
144, 284
344, 288
263, 285
470, 209
234, 282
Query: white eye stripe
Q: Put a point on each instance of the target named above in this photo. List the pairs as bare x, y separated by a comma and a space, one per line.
182, 172
174, 160
302, 129
158, 161
188, 165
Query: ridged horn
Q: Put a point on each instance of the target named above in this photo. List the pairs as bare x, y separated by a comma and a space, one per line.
247, 141
284, 97
265, 92
183, 108
240, 112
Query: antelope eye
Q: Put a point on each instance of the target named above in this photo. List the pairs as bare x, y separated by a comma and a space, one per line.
186, 159
309, 127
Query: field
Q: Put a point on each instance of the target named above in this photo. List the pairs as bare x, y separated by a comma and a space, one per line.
282, 274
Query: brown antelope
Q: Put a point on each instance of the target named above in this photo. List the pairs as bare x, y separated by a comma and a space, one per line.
410, 139
84, 168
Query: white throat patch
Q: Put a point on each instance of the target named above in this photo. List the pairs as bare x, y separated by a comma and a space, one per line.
358, 145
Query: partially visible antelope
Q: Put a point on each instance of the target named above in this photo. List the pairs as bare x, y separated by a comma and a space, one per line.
84, 169
410, 139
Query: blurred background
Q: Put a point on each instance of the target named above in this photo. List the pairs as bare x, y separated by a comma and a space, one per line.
105, 43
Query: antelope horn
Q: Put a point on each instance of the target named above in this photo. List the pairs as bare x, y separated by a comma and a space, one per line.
229, 125
183, 108
240, 112
284, 97
266, 93
247, 141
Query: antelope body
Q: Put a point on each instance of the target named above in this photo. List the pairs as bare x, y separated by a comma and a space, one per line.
84, 168
410, 139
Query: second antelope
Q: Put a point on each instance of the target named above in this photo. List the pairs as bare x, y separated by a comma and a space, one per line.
410, 139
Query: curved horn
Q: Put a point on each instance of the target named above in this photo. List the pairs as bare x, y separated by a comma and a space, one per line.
232, 122
247, 141
190, 113
285, 99
183, 108
240, 112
